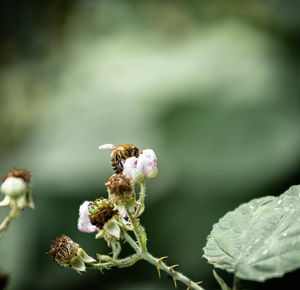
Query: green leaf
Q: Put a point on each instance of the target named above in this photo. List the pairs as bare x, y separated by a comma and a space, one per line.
259, 240
221, 281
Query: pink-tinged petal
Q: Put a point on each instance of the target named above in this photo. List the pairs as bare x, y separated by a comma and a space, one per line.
146, 164
130, 167
84, 224
149, 155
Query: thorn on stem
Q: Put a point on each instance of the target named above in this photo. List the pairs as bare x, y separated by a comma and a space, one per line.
162, 258
171, 268
158, 271
175, 283
199, 282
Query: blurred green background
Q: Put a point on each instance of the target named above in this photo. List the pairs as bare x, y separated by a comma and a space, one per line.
211, 86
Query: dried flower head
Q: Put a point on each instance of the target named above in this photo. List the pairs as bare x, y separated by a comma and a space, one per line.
101, 211
67, 253
4, 279
64, 250
120, 187
21, 173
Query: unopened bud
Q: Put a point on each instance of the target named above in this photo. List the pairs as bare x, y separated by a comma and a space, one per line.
145, 166
16, 186
16, 182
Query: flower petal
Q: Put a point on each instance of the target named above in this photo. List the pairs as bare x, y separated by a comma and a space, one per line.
146, 164
130, 166
84, 224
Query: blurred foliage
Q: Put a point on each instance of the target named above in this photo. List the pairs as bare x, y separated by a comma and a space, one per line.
212, 87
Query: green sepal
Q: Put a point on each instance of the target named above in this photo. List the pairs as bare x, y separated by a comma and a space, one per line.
100, 234
77, 264
112, 228
128, 205
154, 173
122, 209
84, 256
139, 178
131, 204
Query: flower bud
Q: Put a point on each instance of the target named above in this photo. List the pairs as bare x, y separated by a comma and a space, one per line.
120, 187
16, 186
143, 166
67, 253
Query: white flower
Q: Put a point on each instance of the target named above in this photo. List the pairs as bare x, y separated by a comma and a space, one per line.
143, 166
130, 167
84, 224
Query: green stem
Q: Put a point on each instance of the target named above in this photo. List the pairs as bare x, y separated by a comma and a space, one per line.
116, 248
122, 263
141, 249
139, 232
131, 242
159, 264
141, 206
12, 215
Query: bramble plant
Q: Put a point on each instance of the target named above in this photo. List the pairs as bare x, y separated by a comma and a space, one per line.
257, 241
115, 217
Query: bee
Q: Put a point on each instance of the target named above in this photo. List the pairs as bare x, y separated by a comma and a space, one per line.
120, 154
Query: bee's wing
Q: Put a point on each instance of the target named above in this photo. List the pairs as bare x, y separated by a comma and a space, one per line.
109, 147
